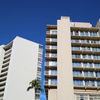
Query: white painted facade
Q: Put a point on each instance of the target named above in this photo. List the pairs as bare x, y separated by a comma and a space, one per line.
22, 68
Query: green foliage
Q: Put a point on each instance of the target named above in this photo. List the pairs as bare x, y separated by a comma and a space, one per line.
35, 84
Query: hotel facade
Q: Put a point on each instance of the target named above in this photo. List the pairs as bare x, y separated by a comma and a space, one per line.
20, 63
72, 67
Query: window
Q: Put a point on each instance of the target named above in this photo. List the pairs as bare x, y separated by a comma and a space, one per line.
87, 97
89, 65
94, 49
82, 33
81, 97
95, 42
53, 81
75, 48
83, 41
88, 74
98, 83
87, 56
78, 83
76, 32
94, 34
54, 32
72, 33
86, 33
96, 57
75, 56
75, 41
53, 63
85, 64
86, 48
86, 83
91, 33
97, 65
40, 48
53, 72
53, 54
39, 63
98, 74
77, 73
53, 39
90, 83
94, 97
76, 64
53, 47
98, 49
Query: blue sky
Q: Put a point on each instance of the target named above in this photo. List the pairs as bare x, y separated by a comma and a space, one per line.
28, 18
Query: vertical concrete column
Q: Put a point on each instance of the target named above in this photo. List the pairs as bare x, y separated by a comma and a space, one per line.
52, 94
64, 60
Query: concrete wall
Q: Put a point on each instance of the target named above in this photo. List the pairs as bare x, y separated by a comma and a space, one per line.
22, 69
80, 24
52, 94
64, 59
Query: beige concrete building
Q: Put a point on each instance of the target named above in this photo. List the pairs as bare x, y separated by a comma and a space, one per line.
72, 68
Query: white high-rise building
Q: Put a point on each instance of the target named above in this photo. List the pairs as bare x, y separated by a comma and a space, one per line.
20, 63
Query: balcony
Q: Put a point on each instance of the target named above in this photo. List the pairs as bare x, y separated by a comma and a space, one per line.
4, 70
46, 72
85, 52
89, 77
46, 82
50, 86
3, 79
86, 60
88, 43
6, 60
86, 88
50, 66
52, 49
51, 56
51, 41
8, 46
78, 77
51, 76
1, 94
7, 56
78, 68
85, 37
51, 35
2, 84
87, 33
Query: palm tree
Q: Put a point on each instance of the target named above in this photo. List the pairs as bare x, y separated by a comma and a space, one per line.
35, 84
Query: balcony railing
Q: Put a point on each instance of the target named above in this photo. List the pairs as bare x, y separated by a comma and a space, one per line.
51, 47
51, 55
51, 39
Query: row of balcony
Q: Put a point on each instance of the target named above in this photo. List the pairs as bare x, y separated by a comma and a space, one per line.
85, 56
77, 48
85, 44
4, 70
90, 34
75, 33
